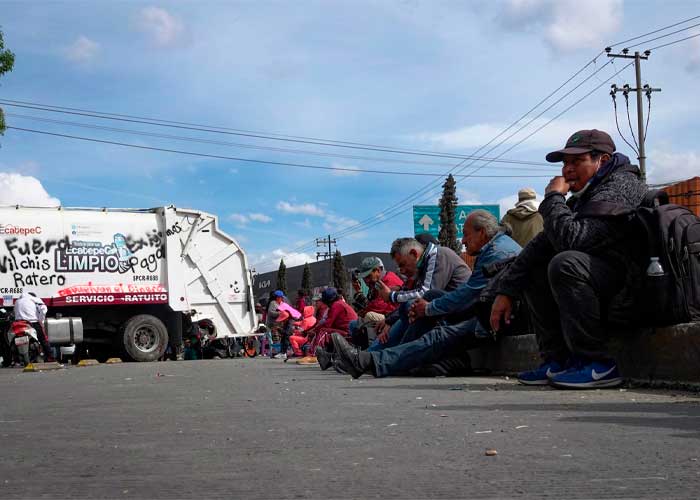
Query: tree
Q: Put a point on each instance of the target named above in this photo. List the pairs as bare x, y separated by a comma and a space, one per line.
306, 279
7, 61
448, 202
282, 277
340, 275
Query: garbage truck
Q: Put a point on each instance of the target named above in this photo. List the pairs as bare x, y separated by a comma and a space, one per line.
126, 281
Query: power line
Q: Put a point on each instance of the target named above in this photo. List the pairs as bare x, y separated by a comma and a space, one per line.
266, 162
655, 31
360, 227
106, 116
250, 146
674, 42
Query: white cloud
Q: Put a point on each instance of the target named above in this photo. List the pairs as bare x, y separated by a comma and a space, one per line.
351, 172
260, 218
82, 50
566, 27
466, 197
337, 222
164, 29
475, 136
239, 219
270, 261
240, 238
663, 166
18, 189
302, 208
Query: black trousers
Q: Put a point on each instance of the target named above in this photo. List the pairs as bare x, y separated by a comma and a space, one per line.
43, 340
569, 300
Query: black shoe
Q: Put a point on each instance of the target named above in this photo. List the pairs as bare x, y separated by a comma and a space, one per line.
354, 361
324, 358
339, 366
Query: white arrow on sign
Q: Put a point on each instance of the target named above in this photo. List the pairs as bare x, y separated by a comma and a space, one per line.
426, 222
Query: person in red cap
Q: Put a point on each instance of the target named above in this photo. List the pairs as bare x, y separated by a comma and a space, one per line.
585, 257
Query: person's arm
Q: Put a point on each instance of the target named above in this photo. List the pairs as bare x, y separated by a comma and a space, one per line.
333, 311
536, 253
566, 232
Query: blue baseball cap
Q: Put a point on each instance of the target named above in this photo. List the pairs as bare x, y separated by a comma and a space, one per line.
278, 293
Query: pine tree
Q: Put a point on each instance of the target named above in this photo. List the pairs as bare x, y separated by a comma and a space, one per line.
306, 279
282, 277
340, 278
448, 203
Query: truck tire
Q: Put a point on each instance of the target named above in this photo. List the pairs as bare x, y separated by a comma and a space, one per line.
145, 338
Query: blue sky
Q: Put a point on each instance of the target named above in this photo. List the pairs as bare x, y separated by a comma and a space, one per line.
419, 75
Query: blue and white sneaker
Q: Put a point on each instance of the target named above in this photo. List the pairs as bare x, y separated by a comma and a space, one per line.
589, 375
541, 375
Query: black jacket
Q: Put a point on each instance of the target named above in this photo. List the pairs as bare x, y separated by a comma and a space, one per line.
587, 223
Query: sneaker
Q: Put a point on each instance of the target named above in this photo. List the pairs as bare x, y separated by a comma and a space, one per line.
588, 375
307, 360
324, 358
354, 361
280, 355
542, 374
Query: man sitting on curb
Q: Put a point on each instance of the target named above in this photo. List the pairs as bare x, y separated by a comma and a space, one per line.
371, 270
485, 239
432, 268
569, 273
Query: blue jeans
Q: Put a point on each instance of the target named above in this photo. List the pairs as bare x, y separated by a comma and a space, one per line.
396, 333
430, 348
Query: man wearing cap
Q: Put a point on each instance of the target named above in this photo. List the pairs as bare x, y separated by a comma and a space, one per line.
570, 272
371, 271
525, 221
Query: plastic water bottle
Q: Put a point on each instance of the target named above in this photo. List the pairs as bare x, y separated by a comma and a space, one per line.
654, 268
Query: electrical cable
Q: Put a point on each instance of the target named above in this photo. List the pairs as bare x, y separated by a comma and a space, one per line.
674, 42
266, 162
249, 146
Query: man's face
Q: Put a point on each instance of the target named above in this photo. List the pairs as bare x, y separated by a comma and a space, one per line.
473, 240
408, 264
578, 169
278, 300
374, 276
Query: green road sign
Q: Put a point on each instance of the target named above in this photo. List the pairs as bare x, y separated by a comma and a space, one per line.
426, 218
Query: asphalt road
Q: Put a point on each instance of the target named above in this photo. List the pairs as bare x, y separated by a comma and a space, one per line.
264, 429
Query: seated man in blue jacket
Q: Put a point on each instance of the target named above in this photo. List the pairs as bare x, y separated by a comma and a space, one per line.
483, 238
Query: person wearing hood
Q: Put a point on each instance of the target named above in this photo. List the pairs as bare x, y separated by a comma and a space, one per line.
525, 221
579, 275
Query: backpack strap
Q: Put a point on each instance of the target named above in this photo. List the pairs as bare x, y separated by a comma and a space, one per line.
654, 198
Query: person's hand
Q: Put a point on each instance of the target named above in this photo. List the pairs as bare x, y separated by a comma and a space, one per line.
558, 184
383, 290
383, 337
501, 310
417, 309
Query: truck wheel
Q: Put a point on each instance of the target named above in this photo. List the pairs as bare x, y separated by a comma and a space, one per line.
145, 338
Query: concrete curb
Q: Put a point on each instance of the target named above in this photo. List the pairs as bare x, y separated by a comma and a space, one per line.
664, 357
41, 367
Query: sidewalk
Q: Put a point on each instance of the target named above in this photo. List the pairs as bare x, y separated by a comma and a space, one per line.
662, 356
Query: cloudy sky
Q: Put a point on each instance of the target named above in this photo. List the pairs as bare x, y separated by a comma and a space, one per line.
341, 84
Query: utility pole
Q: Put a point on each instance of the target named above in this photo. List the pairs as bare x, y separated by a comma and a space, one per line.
641, 133
329, 255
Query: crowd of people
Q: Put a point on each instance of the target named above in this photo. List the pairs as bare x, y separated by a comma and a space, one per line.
567, 270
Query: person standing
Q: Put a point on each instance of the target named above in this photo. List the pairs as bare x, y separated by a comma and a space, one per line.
524, 219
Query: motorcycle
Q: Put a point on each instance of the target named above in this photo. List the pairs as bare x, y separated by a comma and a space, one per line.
22, 340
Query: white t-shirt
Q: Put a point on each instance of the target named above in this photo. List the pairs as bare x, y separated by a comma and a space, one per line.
29, 308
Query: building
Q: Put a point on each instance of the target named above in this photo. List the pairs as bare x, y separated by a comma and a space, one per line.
320, 274
686, 193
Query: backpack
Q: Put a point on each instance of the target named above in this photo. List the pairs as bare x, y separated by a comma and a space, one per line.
671, 293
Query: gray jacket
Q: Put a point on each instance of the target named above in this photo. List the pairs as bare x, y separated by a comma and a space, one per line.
439, 268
